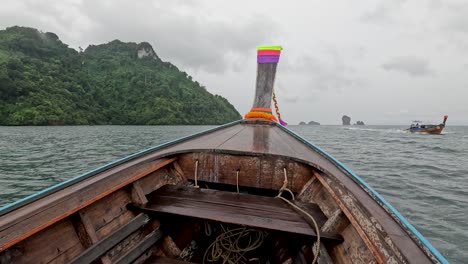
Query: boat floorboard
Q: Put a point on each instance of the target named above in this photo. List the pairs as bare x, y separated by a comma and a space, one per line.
242, 209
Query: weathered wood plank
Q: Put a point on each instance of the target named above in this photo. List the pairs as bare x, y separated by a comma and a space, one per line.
178, 171
379, 258
254, 171
65, 256
307, 190
353, 249
85, 231
101, 247
218, 212
141, 247
324, 257
115, 223
157, 179
257, 205
138, 196
261, 139
317, 194
336, 223
57, 242
169, 247
104, 211
314, 210
80, 229
128, 244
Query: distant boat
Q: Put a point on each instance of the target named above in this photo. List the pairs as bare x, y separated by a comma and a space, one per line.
417, 127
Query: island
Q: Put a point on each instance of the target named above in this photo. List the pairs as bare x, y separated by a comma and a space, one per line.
45, 82
310, 123
346, 120
360, 123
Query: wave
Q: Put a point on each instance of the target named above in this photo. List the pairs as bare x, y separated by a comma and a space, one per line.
444, 150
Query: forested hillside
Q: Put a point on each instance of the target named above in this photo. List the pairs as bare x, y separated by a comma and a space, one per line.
44, 82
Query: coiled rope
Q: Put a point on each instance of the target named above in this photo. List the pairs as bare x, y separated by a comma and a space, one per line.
237, 180
231, 246
228, 247
316, 247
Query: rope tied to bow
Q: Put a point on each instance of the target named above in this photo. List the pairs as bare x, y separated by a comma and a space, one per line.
277, 110
316, 246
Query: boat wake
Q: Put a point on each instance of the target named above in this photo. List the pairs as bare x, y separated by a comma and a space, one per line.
383, 130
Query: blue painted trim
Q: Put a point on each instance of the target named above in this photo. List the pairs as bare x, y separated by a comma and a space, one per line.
403, 220
54, 188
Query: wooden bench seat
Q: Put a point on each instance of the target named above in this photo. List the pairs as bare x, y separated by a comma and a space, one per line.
227, 207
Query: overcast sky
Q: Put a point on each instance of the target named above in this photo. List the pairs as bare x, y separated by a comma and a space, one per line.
380, 61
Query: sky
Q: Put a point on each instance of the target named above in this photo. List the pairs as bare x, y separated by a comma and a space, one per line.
379, 61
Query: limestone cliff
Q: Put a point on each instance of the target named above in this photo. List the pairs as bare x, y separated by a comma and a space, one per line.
346, 120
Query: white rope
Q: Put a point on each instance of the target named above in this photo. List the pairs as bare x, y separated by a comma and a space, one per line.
231, 246
237, 181
285, 186
316, 246
196, 175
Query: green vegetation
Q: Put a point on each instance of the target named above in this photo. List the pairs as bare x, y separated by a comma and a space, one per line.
43, 82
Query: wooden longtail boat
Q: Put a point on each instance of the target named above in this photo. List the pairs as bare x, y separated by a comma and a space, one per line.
213, 198
428, 129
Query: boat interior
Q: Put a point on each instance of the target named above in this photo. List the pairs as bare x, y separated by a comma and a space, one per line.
181, 203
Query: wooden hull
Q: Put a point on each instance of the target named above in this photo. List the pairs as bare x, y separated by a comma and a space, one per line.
429, 130
145, 209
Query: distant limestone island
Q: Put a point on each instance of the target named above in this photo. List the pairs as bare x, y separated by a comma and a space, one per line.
44, 82
346, 121
310, 123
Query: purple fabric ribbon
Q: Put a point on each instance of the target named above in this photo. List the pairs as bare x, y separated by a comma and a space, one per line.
268, 58
282, 122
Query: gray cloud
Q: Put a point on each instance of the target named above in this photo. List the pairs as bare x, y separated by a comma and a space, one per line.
61, 17
384, 12
178, 30
292, 99
434, 4
413, 66
329, 74
181, 33
458, 19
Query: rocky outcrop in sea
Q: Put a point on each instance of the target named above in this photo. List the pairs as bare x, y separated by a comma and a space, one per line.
346, 120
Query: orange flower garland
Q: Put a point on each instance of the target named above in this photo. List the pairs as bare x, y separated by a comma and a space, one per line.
257, 112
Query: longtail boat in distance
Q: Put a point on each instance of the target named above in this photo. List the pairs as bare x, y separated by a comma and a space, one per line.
417, 127
251, 191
